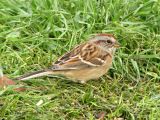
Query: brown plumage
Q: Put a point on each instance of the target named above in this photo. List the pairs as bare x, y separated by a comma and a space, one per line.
87, 61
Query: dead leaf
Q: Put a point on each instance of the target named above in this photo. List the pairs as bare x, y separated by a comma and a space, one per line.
100, 115
5, 81
20, 89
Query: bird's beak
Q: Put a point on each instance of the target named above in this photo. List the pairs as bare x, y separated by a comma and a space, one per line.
117, 45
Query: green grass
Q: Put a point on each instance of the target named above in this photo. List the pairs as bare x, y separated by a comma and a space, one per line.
35, 33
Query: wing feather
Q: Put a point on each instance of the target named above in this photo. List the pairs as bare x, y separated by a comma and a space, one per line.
84, 55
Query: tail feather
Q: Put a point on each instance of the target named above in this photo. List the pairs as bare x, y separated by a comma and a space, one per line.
34, 74
43, 72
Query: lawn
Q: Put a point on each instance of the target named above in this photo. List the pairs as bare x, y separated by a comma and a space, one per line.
34, 33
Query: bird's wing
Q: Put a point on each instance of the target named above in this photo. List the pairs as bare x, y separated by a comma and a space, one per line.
84, 55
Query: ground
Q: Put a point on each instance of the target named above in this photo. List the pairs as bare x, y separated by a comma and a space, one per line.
35, 33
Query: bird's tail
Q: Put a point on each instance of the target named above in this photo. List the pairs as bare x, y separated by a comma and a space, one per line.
35, 74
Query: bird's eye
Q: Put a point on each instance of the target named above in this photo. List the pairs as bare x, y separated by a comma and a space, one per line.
109, 41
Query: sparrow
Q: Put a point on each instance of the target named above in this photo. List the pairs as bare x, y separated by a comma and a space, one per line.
87, 61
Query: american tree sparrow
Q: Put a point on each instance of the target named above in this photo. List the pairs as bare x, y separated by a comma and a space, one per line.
87, 61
